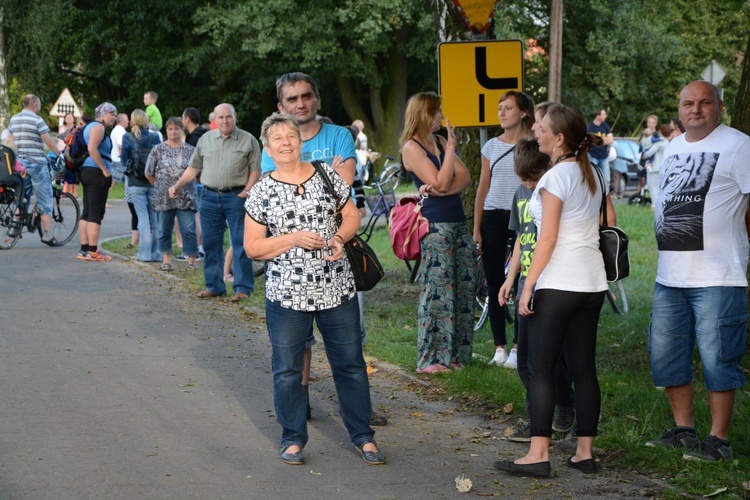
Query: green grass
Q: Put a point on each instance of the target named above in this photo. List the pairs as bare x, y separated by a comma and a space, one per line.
633, 411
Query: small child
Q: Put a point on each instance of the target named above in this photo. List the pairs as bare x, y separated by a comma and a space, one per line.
154, 115
530, 165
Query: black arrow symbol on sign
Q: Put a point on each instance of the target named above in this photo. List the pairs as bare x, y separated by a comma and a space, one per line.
480, 70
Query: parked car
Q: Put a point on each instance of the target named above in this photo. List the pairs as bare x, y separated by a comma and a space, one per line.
627, 162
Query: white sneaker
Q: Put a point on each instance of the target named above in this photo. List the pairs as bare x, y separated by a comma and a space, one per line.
512, 362
500, 357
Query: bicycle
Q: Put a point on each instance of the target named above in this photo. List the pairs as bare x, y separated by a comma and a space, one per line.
617, 297
14, 217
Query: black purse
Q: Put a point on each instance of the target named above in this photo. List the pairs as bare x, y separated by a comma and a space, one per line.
363, 260
613, 242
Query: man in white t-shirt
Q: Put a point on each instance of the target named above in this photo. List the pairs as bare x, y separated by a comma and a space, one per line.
700, 295
119, 130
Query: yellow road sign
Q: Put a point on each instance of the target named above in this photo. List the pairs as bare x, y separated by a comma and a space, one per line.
473, 77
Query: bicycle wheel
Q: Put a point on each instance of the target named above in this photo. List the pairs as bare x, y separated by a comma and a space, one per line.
483, 309
617, 297
390, 175
65, 215
10, 231
259, 268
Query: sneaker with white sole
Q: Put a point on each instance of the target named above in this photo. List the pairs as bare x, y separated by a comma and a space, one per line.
712, 449
512, 362
499, 358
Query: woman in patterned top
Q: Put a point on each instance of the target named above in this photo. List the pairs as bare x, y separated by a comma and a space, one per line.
291, 223
166, 164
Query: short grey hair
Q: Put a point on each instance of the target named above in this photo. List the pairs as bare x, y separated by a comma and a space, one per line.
278, 119
229, 106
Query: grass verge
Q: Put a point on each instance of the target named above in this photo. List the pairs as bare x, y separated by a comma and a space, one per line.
633, 411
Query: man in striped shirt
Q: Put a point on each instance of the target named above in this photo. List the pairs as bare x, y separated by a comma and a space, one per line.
30, 134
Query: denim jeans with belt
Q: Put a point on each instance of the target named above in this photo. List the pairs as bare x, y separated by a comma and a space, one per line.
342, 338
219, 210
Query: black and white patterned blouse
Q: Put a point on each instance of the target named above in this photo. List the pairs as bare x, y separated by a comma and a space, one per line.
167, 164
301, 279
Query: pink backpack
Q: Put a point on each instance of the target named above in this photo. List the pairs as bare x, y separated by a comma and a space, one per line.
407, 227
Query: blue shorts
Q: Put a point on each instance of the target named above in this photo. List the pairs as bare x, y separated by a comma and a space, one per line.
714, 318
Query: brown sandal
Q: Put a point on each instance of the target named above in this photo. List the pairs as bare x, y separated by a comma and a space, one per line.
207, 294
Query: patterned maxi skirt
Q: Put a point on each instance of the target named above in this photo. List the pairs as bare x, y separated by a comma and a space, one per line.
446, 306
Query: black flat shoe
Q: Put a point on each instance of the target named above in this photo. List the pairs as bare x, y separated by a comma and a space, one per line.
587, 466
539, 469
371, 457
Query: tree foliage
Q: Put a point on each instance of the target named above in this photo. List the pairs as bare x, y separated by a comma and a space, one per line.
365, 49
632, 57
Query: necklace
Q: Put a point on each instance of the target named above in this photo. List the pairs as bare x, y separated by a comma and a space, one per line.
563, 157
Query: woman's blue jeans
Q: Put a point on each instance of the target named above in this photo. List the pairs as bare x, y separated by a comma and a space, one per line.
186, 221
342, 338
148, 227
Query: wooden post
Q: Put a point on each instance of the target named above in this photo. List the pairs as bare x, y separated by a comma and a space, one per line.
555, 50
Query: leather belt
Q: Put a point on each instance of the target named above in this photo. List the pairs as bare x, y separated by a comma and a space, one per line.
224, 190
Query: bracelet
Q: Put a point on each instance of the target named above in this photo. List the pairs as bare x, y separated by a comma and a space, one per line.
340, 237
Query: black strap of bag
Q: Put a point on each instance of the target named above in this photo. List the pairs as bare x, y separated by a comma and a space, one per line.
363, 260
492, 167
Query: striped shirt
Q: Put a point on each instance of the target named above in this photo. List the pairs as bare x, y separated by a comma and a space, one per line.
27, 128
504, 180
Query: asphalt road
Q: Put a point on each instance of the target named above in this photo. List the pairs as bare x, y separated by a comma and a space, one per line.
117, 384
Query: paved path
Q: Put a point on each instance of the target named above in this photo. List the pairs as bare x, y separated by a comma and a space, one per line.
116, 384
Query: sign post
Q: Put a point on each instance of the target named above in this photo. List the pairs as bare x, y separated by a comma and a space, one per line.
474, 75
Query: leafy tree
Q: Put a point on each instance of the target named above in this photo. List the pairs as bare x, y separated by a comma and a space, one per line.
365, 48
631, 57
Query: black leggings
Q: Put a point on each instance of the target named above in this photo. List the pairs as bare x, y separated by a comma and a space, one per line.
95, 191
564, 322
133, 217
564, 393
495, 235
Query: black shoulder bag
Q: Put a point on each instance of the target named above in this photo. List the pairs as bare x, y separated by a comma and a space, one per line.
613, 242
363, 260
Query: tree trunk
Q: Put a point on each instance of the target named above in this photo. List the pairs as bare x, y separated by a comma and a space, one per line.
741, 121
555, 56
4, 97
741, 117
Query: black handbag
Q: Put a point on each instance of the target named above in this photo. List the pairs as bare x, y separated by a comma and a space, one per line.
363, 260
613, 242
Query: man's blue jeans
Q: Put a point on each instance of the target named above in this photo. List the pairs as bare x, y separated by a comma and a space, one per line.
603, 165
339, 326
219, 210
148, 226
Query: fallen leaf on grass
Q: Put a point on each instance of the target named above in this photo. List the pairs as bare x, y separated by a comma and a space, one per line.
463, 484
508, 409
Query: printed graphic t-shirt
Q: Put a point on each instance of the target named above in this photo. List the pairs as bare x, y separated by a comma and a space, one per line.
700, 213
